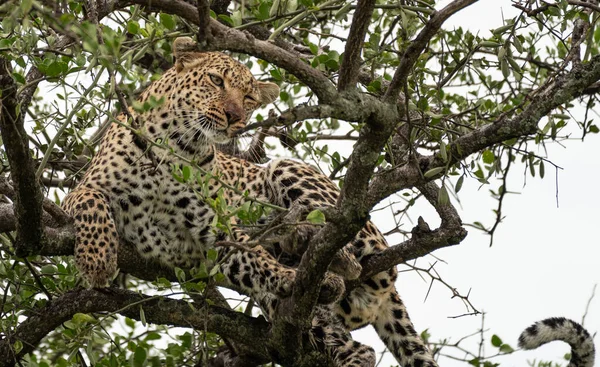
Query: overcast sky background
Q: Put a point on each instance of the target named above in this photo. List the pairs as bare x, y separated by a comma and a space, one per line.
545, 259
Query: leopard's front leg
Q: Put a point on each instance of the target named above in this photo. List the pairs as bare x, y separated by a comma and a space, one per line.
300, 188
255, 272
96, 239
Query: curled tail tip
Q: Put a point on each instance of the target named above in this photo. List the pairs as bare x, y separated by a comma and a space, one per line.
560, 328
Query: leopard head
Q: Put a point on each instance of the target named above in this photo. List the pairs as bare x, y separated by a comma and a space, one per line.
209, 97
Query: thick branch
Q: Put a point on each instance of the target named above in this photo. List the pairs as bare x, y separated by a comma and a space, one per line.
412, 52
159, 310
203, 23
350, 213
28, 198
351, 63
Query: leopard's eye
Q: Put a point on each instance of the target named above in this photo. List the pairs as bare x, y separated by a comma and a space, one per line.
217, 80
250, 99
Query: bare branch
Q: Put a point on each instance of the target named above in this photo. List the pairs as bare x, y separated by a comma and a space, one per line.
351, 63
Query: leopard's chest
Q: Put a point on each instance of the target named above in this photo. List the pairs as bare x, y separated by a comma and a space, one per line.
165, 220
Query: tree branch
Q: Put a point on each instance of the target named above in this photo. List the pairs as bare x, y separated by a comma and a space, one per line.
225, 38
557, 92
28, 198
351, 62
412, 52
158, 309
203, 24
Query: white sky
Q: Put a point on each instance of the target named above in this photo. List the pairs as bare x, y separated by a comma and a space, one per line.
544, 261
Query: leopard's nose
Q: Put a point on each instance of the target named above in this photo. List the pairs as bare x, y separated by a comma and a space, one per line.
234, 115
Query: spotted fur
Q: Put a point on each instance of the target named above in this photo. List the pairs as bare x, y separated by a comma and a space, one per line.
558, 328
126, 195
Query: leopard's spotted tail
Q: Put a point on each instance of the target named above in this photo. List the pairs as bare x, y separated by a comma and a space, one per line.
559, 328
398, 333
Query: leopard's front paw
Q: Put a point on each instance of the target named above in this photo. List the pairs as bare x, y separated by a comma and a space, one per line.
345, 264
286, 284
332, 289
97, 274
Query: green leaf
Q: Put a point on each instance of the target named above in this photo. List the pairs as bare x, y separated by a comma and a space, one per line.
502, 29
133, 27
153, 336
17, 346
167, 20
490, 44
139, 357
443, 198
187, 172
82, 318
214, 271
504, 68
518, 45
505, 348
434, 172
129, 322
443, 151
459, 184
142, 316
488, 157
48, 269
180, 274
496, 341
343, 11
212, 253
316, 217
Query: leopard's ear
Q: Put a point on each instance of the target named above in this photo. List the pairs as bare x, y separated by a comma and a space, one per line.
268, 92
185, 50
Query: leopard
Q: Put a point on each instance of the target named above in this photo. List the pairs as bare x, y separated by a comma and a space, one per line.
573, 333
129, 193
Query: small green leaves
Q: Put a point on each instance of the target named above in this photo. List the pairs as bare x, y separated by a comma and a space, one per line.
316, 217
212, 254
497, 342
